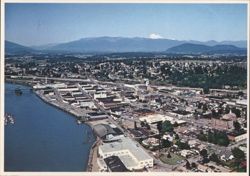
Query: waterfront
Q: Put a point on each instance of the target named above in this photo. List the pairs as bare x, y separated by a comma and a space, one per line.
43, 137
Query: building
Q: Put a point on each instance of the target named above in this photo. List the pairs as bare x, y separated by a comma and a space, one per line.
100, 95
230, 116
204, 168
114, 164
222, 124
151, 142
56, 85
154, 118
130, 153
97, 116
87, 104
187, 153
237, 137
242, 102
102, 165
107, 131
226, 155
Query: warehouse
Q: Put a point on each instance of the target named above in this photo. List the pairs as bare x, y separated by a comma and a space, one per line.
130, 153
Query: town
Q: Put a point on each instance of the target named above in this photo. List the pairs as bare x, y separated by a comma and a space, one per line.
149, 114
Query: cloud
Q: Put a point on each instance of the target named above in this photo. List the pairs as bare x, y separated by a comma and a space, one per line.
155, 36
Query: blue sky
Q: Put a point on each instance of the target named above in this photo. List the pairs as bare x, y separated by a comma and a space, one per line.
36, 24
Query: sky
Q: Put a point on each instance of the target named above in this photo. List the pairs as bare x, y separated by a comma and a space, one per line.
39, 24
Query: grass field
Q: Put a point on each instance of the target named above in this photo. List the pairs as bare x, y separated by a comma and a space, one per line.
173, 160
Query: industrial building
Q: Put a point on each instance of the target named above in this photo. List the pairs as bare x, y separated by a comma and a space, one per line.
130, 153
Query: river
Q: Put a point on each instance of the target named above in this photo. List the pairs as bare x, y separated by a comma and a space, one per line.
43, 137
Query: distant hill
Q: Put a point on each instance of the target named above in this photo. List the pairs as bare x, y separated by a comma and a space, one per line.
116, 44
14, 48
123, 44
240, 43
189, 48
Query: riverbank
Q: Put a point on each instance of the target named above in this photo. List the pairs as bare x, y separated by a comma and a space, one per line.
16, 81
92, 159
57, 106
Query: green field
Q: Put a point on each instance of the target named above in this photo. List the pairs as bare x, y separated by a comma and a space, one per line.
173, 160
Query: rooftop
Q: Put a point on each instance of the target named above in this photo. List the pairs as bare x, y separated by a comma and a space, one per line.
115, 164
126, 144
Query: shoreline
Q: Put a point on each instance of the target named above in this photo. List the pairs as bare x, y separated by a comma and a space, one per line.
41, 97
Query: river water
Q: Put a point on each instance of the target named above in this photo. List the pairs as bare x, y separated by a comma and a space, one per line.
43, 137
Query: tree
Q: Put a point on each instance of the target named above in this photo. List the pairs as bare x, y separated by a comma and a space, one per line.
237, 126
206, 90
201, 136
182, 145
169, 155
221, 138
215, 114
236, 111
147, 126
203, 153
238, 154
135, 125
175, 124
167, 126
240, 93
166, 143
177, 136
214, 158
193, 165
159, 127
188, 165
205, 160
204, 108
142, 124
210, 137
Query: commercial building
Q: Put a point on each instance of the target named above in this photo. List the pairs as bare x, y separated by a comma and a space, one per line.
130, 153
222, 124
237, 137
96, 116
107, 131
114, 164
154, 118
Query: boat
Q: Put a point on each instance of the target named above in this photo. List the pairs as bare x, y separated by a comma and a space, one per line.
11, 119
79, 122
5, 121
8, 118
18, 91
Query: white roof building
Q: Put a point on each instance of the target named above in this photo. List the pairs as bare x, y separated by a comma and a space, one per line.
131, 154
242, 102
153, 118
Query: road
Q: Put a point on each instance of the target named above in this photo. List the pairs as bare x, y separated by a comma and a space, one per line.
196, 123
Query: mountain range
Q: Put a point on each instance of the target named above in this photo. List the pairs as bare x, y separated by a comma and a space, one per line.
189, 48
123, 44
14, 48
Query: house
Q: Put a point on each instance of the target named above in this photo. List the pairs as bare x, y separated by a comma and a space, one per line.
169, 137
222, 124
226, 155
187, 153
193, 143
237, 137
204, 168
